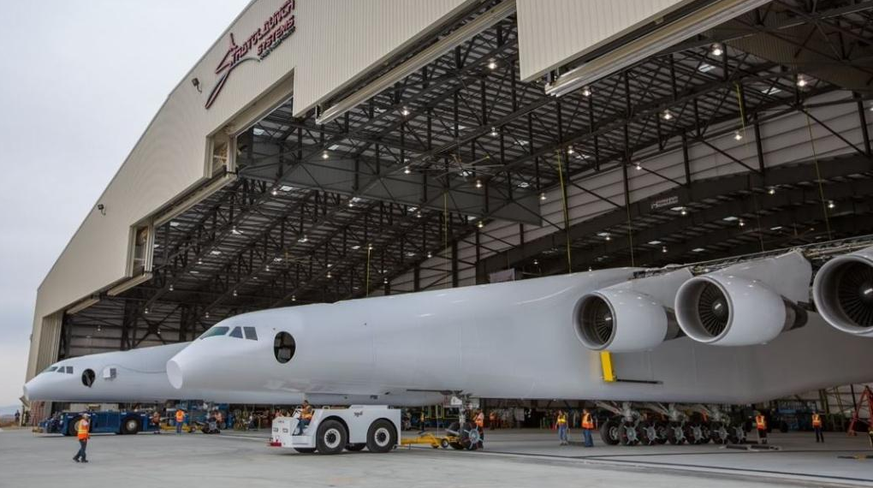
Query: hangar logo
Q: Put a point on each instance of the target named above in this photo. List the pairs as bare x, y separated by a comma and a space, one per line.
266, 38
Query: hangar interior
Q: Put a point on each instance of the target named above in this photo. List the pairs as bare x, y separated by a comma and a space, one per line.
749, 137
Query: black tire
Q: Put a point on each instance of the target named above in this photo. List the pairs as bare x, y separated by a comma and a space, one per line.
331, 437
609, 432
73, 427
305, 450
444, 443
130, 425
629, 435
718, 434
381, 436
356, 447
661, 429
456, 446
675, 434
648, 434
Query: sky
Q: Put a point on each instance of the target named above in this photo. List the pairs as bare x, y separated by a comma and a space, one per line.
79, 83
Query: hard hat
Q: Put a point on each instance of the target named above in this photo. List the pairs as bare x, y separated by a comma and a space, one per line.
86, 414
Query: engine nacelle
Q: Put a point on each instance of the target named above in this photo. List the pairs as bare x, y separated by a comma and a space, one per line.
745, 304
843, 292
631, 316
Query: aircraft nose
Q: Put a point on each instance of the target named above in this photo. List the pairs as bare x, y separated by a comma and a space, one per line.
34, 389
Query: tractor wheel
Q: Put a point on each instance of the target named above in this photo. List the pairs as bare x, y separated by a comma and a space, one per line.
130, 425
331, 437
356, 447
382, 436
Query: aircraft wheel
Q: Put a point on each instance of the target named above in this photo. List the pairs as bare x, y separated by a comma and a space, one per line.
718, 433
609, 432
675, 434
648, 433
330, 437
705, 433
305, 450
693, 433
629, 435
736, 435
356, 447
444, 443
381, 437
130, 426
661, 429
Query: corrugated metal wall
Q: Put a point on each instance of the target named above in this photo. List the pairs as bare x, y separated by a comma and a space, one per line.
555, 31
785, 140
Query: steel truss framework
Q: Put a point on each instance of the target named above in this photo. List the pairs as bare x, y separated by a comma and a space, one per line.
321, 213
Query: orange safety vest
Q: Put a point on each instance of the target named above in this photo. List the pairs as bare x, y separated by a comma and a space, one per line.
180, 416
761, 422
816, 420
83, 433
562, 419
480, 420
587, 422
306, 414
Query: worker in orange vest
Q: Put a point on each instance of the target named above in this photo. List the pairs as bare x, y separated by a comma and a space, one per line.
561, 423
816, 426
83, 433
180, 419
761, 426
305, 418
587, 427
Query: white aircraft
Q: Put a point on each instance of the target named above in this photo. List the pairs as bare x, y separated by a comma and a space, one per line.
738, 334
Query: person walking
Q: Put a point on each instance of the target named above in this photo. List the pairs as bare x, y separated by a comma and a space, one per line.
83, 433
587, 427
816, 426
761, 426
562, 428
480, 426
17, 418
180, 419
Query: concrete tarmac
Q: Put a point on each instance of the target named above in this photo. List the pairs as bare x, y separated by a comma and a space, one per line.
529, 458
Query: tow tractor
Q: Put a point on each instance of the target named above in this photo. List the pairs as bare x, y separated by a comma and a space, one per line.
374, 427
110, 422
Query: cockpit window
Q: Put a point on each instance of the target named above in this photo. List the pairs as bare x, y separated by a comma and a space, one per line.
60, 370
50, 369
69, 370
236, 332
215, 331
251, 333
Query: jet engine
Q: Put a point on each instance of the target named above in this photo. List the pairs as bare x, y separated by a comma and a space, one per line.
843, 292
745, 304
631, 316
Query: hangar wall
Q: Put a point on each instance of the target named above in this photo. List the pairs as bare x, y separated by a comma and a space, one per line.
170, 158
785, 140
554, 32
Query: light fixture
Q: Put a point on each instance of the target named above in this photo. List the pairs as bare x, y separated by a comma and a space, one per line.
655, 242
206, 315
199, 261
478, 183
481, 224
492, 64
831, 204
638, 166
586, 92
267, 268
293, 298
325, 155
536, 262
369, 247
303, 239
717, 50
171, 287
146, 311
235, 293
801, 81
385, 281
738, 136
570, 150
664, 249
406, 170
608, 237
494, 132
275, 192
234, 231
418, 214
742, 223
328, 275
698, 249
771, 190
355, 247
590, 268
405, 111
543, 196
667, 115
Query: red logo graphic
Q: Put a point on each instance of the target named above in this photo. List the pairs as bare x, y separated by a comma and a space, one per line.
267, 38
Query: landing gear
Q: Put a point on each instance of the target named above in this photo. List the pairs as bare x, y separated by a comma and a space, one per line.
718, 433
737, 435
609, 432
629, 434
468, 437
652, 433
696, 433
675, 433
